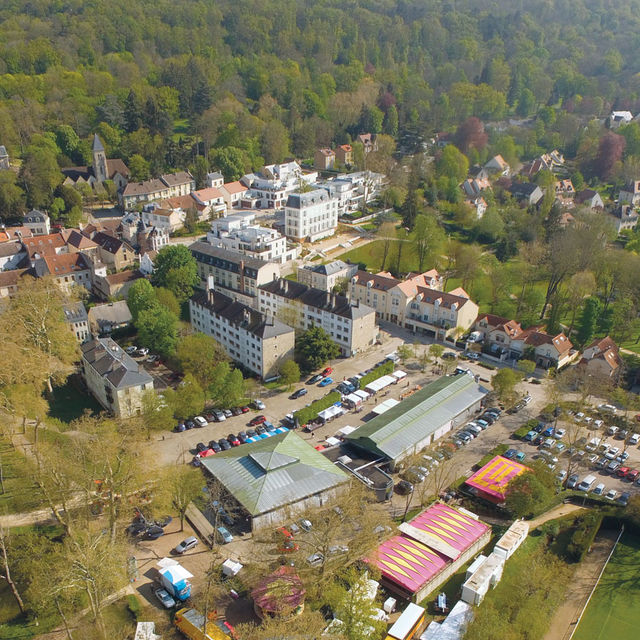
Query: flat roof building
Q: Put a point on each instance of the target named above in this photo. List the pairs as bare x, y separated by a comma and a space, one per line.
421, 419
275, 477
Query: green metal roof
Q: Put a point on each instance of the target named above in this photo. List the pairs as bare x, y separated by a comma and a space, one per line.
399, 429
268, 474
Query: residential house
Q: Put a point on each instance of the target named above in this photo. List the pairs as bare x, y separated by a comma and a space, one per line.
498, 166
619, 118
114, 253
37, 222
630, 194
68, 270
324, 159
310, 216
442, 139
145, 191
504, 338
526, 193
75, 315
344, 155
236, 275
100, 171
116, 380
351, 326
106, 318
181, 183
270, 187
168, 220
624, 216
602, 358
215, 179
183, 204
4, 158
13, 255
115, 285
564, 188
369, 141
479, 204
258, 342
239, 233
232, 193
9, 281
146, 262
7, 234
212, 198
326, 276
589, 198
48, 245
77, 242
151, 238
553, 161
473, 187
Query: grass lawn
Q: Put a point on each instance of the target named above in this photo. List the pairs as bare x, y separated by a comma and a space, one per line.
70, 401
19, 492
613, 611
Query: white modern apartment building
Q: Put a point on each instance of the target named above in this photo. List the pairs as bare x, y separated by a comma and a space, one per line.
326, 276
270, 187
235, 274
240, 233
351, 326
258, 342
115, 380
312, 215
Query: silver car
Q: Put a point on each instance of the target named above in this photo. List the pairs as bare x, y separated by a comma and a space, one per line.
188, 543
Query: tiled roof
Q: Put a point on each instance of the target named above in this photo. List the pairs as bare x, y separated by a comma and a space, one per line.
381, 281
109, 243
77, 239
234, 187
208, 194
63, 264
112, 363
145, 188
123, 276
44, 245
176, 179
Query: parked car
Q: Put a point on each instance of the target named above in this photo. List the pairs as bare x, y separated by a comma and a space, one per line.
131, 350
243, 437
236, 411
634, 438
298, 394
187, 544
224, 535
602, 463
244, 409
315, 560
612, 494
561, 475
154, 532
225, 445
325, 382
233, 440
143, 352
560, 433
314, 379
327, 371
530, 437
520, 456
259, 405
624, 498
561, 446
472, 355
572, 481
165, 599
200, 421
213, 444
257, 420
179, 428
153, 358
622, 472
305, 524
510, 453
201, 446
404, 487
633, 475
488, 417
227, 413
612, 453
600, 489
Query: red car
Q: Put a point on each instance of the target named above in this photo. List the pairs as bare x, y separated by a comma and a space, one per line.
244, 409
633, 475
327, 372
622, 472
233, 440
207, 453
257, 420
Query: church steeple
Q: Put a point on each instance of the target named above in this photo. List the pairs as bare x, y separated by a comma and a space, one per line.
99, 160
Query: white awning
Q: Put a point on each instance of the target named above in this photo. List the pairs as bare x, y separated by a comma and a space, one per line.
363, 394
345, 430
331, 412
380, 383
353, 398
399, 374
332, 442
385, 406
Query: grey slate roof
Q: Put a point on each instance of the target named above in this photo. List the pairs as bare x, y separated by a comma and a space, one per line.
97, 143
330, 268
223, 258
339, 305
274, 472
112, 363
299, 200
240, 314
112, 313
75, 312
397, 431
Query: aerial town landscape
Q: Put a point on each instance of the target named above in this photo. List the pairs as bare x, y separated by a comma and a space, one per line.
319, 320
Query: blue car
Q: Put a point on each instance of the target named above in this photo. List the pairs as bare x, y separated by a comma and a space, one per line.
224, 535
325, 382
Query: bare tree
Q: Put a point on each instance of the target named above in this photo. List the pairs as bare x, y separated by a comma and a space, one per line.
5, 574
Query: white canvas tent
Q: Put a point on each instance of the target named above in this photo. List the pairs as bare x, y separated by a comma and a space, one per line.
380, 383
385, 406
399, 374
331, 413
345, 431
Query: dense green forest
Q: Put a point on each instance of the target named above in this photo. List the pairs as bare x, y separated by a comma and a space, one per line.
259, 81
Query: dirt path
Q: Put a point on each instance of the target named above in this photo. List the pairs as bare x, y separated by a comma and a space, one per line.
584, 579
556, 512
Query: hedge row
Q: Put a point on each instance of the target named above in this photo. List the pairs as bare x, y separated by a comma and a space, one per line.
585, 529
307, 414
383, 370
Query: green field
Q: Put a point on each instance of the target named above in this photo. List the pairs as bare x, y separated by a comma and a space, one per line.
613, 611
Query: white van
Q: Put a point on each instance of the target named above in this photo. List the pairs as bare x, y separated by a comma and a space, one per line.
611, 431
586, 484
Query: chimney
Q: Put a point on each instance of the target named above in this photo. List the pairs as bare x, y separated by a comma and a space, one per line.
246, 316
211, 287
286, 286
327, 299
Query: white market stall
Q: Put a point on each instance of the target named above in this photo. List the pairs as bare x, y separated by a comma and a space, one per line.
331, 413
385, 406
332, 442
353, 400
398, 375
380, 383
362, 393
345, 431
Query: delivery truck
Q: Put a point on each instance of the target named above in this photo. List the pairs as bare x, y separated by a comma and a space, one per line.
174, 578
191, 623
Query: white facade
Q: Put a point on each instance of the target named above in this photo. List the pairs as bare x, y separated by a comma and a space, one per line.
166, 219
326, 276
238, 233
312, 215
271, 187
